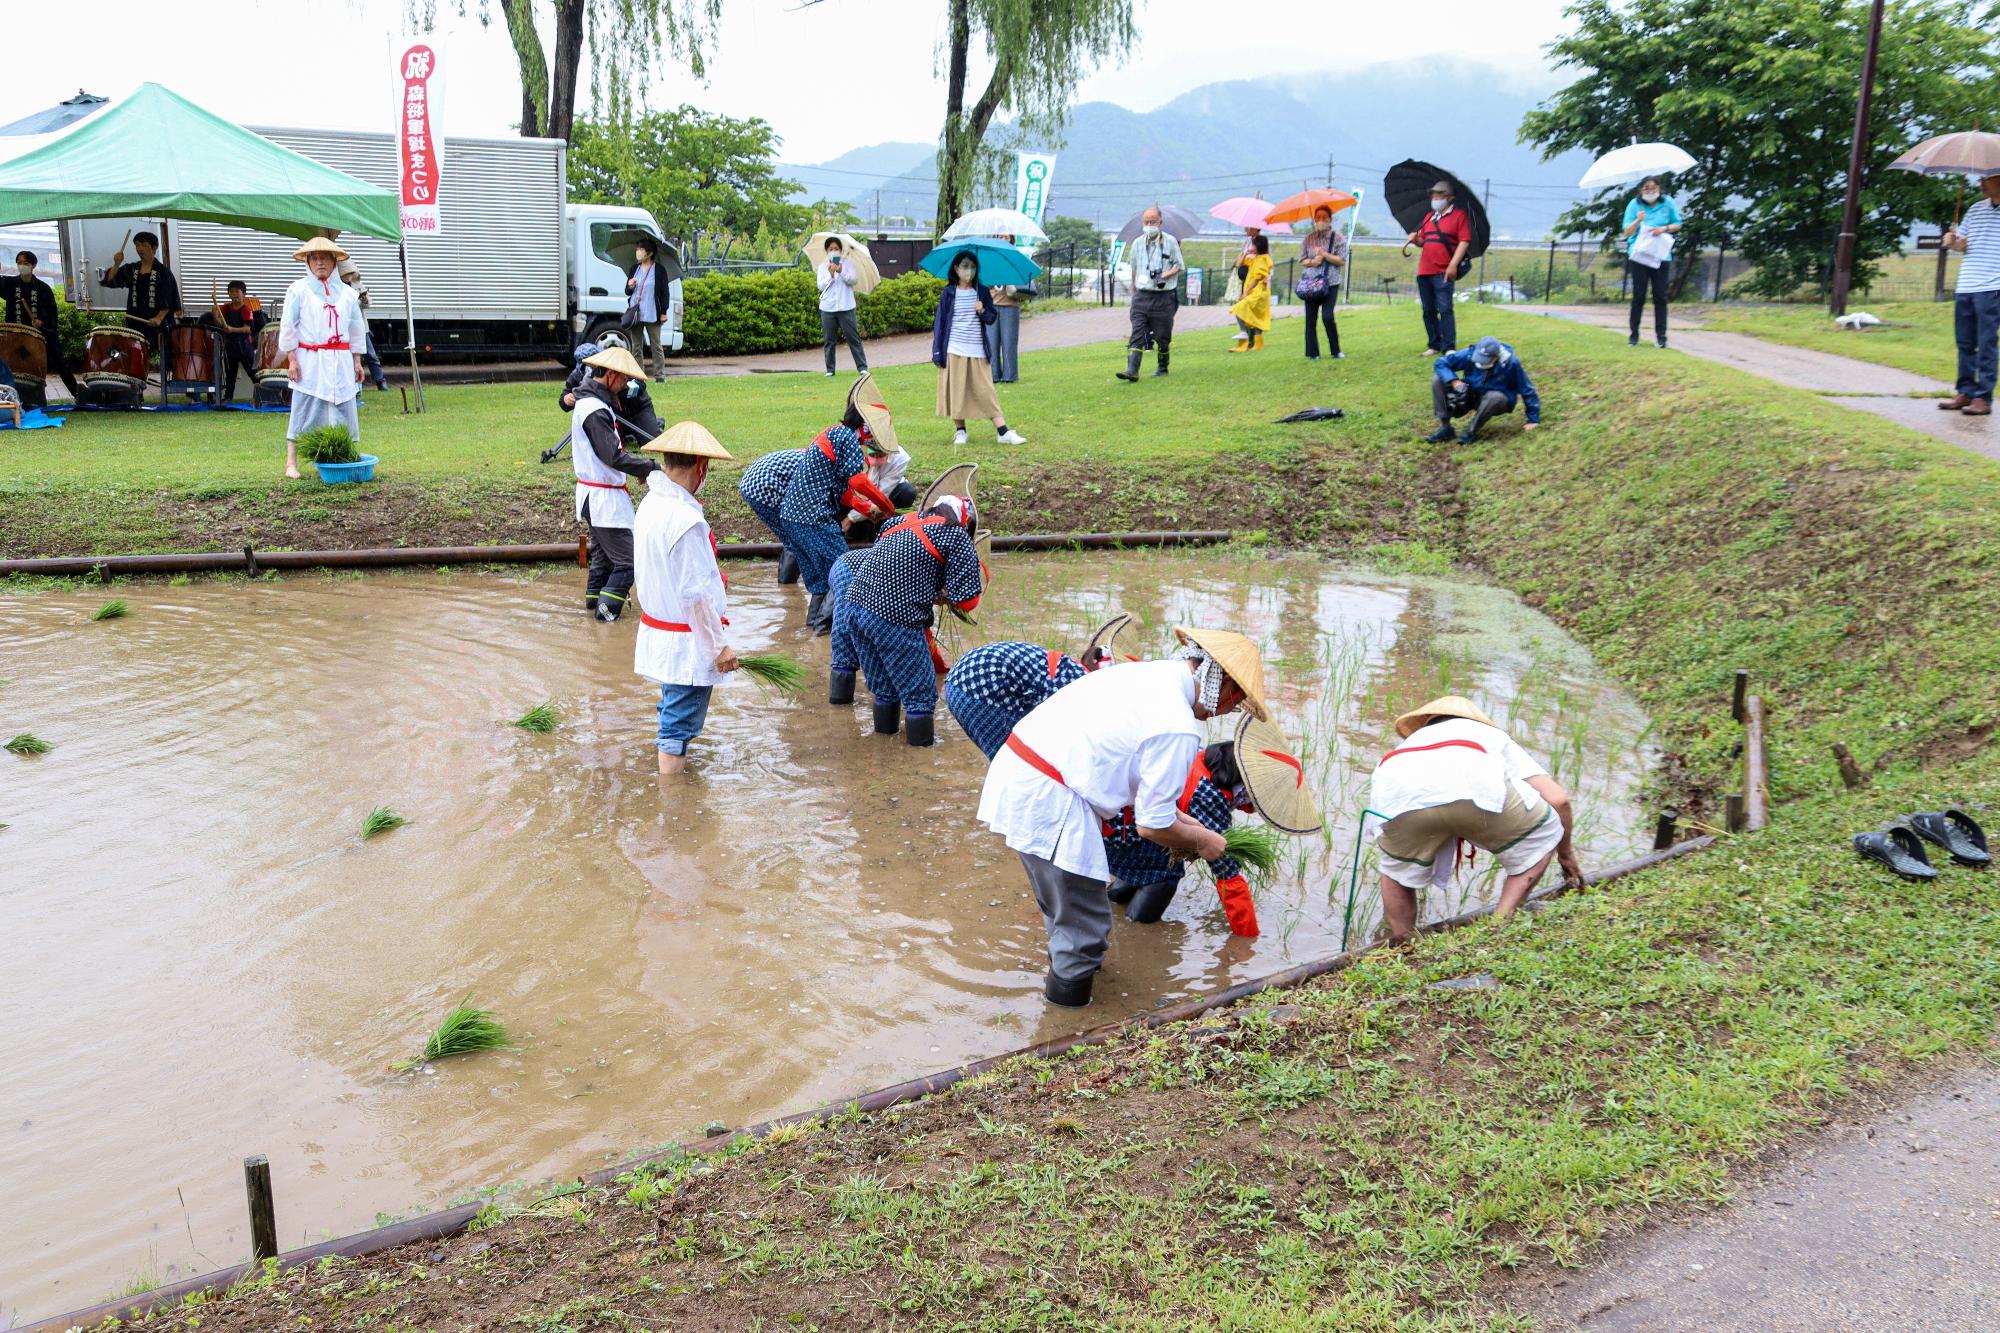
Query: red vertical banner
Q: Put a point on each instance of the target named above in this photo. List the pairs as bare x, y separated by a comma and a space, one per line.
421, 154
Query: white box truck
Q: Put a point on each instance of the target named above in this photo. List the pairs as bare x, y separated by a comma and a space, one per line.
516, 271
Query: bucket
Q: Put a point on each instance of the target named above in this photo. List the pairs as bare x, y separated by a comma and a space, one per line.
336, 474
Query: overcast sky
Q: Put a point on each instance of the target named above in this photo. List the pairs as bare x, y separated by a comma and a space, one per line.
830, 77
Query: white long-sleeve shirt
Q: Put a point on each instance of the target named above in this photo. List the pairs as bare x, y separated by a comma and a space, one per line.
885, 471
322, 322
836, 288
678, 582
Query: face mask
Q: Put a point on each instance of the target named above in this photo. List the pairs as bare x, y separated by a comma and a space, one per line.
1151, 229
965, 272
1322, 226
1440, 205
26, 270
1651, 196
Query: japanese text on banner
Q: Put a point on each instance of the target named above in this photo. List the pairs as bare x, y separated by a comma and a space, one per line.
419, 151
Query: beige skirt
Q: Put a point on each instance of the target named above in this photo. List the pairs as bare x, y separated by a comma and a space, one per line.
965, 390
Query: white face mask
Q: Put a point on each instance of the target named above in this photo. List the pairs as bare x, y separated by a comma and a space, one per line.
1651, 196
26, 270
1440, 205
1151, 229
965, 272
1322, 226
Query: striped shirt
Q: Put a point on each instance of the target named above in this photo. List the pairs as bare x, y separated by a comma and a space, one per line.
1979, 271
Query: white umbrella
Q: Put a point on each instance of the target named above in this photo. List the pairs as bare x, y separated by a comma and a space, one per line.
995, 223
1634, 162
867, 276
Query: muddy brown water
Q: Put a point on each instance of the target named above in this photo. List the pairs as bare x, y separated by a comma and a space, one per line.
204, 961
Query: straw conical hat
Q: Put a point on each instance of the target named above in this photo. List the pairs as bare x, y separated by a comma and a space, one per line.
1239, 658
619, 360
686, 437
1107, 637
957, 480
1276, 777
865, 396
1449, 705
319, 245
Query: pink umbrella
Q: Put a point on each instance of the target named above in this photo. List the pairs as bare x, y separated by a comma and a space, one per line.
1244, 212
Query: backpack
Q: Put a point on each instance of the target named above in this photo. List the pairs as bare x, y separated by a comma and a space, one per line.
1436, 233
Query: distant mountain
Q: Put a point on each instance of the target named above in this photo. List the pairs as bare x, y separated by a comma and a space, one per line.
857, 170
1276, 135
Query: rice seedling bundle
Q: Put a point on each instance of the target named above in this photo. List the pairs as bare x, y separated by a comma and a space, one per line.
328, 444
380, 820
464, 1030
541, 719
1257, 848
28, 743
774, 669
111, 610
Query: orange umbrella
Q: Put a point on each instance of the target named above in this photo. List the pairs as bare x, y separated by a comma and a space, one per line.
1301, 206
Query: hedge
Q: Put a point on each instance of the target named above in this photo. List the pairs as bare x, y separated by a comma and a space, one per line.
731, 315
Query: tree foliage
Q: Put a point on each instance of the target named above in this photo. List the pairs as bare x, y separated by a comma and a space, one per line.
622, 39
1039, 50
1080, 232
1762, 93
696, 171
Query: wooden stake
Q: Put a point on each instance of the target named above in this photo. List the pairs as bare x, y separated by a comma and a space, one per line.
1850, 772
263, 1208
1742, 688
1732, 806
1756, 765
1663, 829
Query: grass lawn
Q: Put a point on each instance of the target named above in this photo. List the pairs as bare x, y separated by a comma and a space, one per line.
1364, 1152
1915, 336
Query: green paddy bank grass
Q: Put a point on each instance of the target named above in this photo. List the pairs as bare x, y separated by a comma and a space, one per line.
1368, 1152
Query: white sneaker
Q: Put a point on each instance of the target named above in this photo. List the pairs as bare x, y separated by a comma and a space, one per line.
1241, 338
1013, 437
829, 374
958, 439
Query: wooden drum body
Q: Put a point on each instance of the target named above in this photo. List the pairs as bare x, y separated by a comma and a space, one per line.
194, 356
113, 373
27, 356
274, 386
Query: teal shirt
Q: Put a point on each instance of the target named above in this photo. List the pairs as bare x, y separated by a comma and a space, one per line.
1666, 213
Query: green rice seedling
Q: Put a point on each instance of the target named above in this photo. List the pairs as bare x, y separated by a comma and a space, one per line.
114, 609
328, 444
541, 719
1257, 847
774, 669
28, 743
380, 820
463, 1031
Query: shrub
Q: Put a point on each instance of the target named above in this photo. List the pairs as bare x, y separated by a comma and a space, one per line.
328, 444
727, 314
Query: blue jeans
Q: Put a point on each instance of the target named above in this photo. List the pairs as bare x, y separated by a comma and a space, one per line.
683, 708
1978, 327
1003, 344
1440, 320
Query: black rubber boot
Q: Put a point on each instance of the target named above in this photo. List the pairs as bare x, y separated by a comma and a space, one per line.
887, 718
1440, 435
1120, 893
1131, 372
815, 609
788, 568
840, 687
1161, 369
1068, 994
1150, 903
920, 729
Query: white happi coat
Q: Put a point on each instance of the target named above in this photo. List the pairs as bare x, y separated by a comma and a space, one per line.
677, 582
596, 481
322, 323
1119, 738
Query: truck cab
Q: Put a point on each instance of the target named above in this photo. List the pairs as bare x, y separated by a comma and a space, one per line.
601, 246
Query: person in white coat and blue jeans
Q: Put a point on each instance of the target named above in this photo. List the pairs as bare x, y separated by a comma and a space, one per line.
837, 318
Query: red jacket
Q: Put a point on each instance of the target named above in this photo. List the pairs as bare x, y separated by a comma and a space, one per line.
1449, 228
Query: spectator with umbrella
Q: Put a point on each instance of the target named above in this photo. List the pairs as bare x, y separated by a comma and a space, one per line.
1253, 308
1009, 226
958, 334
1450, 228
1975, 235
837, 318
1253, 214
1157, 267
1649, 226
1322, 261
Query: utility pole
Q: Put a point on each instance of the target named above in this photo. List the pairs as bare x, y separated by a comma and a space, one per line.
1486, 205
1850, 211
1329, 171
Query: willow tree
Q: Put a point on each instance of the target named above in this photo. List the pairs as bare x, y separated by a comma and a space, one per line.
1038, 51
621, 37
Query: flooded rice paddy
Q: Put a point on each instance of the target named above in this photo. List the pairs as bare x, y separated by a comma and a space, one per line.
205, 961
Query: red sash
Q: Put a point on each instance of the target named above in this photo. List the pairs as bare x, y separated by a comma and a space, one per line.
1408, 749
1055, 660
1034, 761
917, 525
624, 486
337, 345
674, 625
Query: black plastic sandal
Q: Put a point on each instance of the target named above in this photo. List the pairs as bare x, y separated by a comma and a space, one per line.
1956, 832
1897, 848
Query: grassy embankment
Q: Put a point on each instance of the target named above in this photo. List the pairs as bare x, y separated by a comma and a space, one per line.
1915, 335
1367, 1152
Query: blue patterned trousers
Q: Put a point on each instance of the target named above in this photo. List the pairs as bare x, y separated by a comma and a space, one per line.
814, 546
986, 726
841, 655
895, 659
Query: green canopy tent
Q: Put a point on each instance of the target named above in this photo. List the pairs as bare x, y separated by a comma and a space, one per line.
156, 154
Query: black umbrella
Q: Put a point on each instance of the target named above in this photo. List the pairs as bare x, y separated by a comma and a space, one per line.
1407, 191
1176, 221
